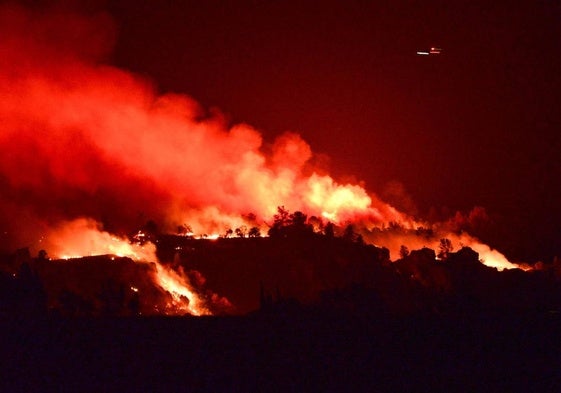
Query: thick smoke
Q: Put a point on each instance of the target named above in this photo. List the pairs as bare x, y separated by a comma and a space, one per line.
80, 138
84, 142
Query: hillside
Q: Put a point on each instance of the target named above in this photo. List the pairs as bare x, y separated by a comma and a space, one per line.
237, 276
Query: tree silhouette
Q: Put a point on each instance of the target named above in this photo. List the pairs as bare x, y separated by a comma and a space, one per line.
349, 233
254, 232
184, 230
329, 230
241, 231
290, 225
298, 219
281, 220
298, 225
42, 255
444, 248
403, 251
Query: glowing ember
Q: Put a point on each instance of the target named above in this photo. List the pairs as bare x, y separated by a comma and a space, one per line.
213, 236
184, 299
85, 238
488, 256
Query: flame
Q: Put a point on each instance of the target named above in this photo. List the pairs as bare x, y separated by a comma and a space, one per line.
84, 237
212, 236
402, 235
76, 129
333, 199
184, 299
489, 256
80, 138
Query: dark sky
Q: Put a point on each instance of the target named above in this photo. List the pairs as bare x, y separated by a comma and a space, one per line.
477, 125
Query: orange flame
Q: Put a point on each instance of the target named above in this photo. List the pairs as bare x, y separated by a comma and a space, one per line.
73, 129
84, 237
184, 299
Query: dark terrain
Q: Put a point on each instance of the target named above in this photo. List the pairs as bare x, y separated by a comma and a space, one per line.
312, 312
304, 352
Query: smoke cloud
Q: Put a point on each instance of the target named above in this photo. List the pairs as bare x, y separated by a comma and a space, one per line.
80, 138
84, 142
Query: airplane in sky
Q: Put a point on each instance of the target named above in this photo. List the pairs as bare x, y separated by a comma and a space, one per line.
432, 51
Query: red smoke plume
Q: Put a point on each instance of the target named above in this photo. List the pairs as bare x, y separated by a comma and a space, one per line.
80, 139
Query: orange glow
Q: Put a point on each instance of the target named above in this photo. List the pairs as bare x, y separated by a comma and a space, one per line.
100, 130
488, 256
85, 238
82, 142
332, 199
184, 299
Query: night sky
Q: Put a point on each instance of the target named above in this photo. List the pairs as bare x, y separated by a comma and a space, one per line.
477, 125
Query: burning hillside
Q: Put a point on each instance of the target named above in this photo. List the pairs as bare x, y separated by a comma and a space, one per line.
293, 269
83, 139
90, 152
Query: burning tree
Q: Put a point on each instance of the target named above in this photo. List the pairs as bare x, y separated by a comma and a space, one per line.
444, 249
288, 224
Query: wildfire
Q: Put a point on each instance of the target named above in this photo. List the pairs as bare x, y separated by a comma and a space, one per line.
80, 138
213, 236
334, 200
184, 299
490, 257
84, 237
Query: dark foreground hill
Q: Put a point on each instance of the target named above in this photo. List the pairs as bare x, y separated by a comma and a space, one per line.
348, 275
272, 274
319, 314
294, 267
283, 353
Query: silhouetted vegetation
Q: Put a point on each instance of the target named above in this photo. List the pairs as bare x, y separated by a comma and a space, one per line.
315, 303
403, 251
330, 269
290, 225
22, 292
444, 248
